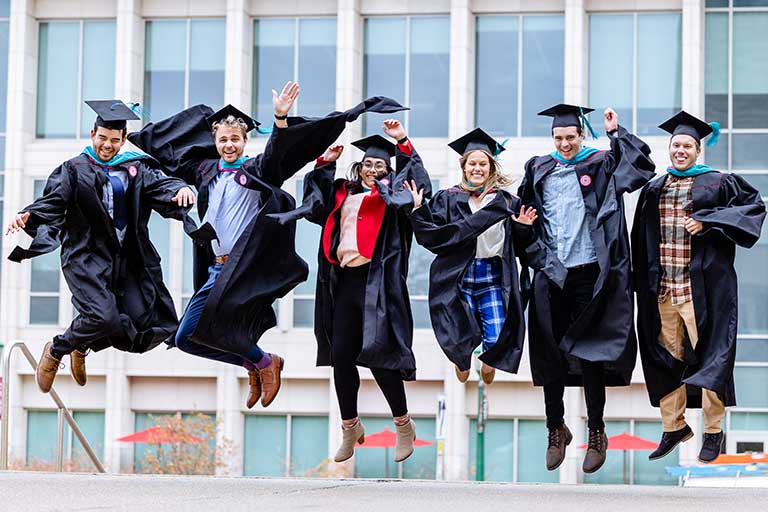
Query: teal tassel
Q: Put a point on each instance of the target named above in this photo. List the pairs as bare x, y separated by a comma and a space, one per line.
715, 136
136, 108
500, 146
263, 131
585, 122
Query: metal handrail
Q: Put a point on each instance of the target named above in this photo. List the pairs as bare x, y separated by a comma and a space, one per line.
63, 414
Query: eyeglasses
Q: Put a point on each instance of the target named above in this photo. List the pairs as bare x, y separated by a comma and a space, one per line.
380, 166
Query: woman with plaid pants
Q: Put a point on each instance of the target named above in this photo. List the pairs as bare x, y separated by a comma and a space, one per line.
474, 289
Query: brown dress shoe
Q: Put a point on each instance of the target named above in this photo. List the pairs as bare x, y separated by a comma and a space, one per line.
254, 388
46, 369
270, 379
77, 367
487, 373
596, 450
462, 375
558, 439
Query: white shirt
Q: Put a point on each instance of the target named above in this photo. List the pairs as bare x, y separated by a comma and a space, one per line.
491, 243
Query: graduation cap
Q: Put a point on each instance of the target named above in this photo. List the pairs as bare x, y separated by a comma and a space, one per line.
475, 140
684, 123
112, 114
376, 146
570, 115
230, 110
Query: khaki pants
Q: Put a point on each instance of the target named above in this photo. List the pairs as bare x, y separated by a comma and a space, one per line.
675, 320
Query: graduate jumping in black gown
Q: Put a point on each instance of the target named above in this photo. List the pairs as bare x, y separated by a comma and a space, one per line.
362, 309
687, 225
253, 262
96, 206
581, 329
475, 231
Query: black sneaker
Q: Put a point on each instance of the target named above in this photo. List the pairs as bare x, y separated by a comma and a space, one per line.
669, 440
711, 447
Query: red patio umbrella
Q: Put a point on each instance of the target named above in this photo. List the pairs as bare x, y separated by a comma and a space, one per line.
626, 442
387, 439
158, 435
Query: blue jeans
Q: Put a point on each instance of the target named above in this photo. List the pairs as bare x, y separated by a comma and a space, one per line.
189, 323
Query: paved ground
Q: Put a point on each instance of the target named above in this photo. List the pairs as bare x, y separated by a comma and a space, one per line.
83, 492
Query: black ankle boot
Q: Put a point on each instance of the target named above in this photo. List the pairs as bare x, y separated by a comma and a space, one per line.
711, 447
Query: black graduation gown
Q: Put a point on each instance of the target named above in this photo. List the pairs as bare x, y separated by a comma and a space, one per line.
263, 265
118, 291
733, 214
447, 227
605, 329
387, 318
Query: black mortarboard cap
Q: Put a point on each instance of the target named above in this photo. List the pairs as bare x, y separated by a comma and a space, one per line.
475, 140
112, 114
230, 110
684, 123
569, 115
376, 146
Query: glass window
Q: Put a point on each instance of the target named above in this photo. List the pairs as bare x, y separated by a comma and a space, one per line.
262, 458
44, 281
749, 421
751, 383
531, 447
499, 450
183, 65
143, 421
5, 8
307, 244
614, 79
407, 59
716, 71
506, 100
377, 462
3, 72
41, 439
750, 70
419, 263
752, 271
309, 443
297, 49
159, 235
76, 63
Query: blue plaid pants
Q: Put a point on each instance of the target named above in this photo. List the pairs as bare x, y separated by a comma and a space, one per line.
481, 288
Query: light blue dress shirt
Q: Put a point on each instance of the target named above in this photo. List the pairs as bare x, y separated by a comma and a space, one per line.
231, 207
108, 197
566, 231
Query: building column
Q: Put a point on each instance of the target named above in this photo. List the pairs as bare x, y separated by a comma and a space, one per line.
349, 69
462, 65
237, 73
575, 411
229, 418
693, 56
129, 59
118, 419
456, 426
577, 48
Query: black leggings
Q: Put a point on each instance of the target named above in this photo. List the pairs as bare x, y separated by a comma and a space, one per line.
347, 343
567, 304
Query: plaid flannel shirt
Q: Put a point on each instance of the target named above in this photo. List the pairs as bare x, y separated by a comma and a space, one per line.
675, 203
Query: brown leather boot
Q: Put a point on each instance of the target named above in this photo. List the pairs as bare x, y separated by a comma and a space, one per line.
270, 379
558, 439
406, 435
596, 450
349, 437
462, 375
254, 388
46, 369
77, 367
487, 373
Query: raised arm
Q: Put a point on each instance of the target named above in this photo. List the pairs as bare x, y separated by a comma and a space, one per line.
629, 157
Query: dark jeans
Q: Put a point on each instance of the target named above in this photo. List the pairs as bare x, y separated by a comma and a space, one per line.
567, 304
189, 323
347, 343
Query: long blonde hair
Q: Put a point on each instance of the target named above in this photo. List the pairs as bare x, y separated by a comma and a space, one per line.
496, 176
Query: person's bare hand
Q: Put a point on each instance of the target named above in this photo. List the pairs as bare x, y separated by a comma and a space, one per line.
611, 119
693, 226
333, 153
184, 197
527, 216
394, 129
284, 101
19, 223
418, 195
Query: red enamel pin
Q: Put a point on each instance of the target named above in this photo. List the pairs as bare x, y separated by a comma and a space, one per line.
585, 180
243, 179
133, 171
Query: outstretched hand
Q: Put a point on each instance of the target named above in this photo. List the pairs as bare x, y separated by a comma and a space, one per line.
418, 195
611, 119
284, 101
333, 153
184, 197
394, 129
19, 223
526, 216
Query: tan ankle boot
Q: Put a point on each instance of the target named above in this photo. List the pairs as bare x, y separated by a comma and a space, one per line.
47, 369
348, 440
77, 367
406, 435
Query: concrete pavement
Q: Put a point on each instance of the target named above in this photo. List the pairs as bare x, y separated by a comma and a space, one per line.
38, 492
